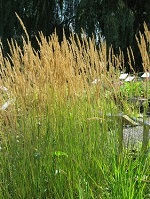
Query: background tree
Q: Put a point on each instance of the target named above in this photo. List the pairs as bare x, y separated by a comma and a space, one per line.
37, 16
117, 20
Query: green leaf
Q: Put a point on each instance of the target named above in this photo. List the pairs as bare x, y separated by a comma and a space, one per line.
60, 153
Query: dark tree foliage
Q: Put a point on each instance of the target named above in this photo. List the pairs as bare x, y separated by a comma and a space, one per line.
117, 20
141, 10
36, 15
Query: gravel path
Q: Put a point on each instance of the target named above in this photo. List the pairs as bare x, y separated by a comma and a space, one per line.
133, 136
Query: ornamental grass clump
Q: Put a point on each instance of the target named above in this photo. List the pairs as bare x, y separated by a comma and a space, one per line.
56, 140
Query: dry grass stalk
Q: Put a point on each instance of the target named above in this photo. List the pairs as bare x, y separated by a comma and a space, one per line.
144, 45
65, 70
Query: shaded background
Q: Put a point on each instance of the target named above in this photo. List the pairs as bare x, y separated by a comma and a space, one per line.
118, 21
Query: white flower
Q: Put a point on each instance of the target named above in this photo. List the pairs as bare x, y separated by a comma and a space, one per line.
5, 106
96, 81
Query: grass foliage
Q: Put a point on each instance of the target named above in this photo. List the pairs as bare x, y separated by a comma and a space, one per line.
55, 139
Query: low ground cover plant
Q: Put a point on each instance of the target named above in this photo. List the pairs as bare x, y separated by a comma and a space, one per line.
137, 93
137, 89
56, 140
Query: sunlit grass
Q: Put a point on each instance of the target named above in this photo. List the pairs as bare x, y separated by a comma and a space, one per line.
56, 140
